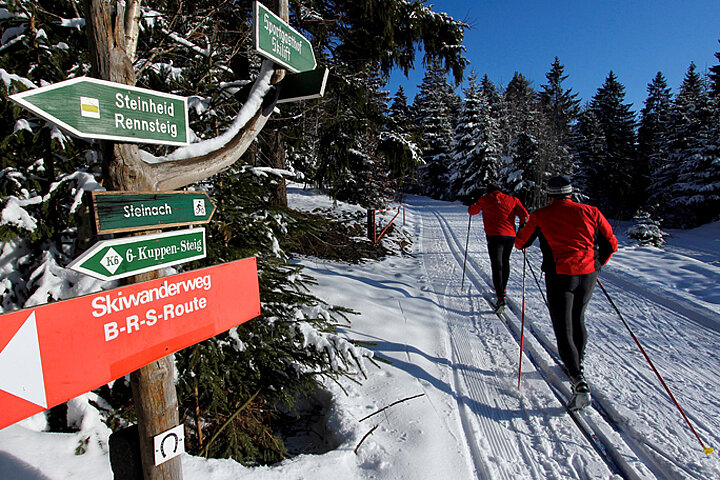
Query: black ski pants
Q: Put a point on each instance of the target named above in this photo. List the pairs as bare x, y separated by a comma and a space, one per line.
499, 248
568, 296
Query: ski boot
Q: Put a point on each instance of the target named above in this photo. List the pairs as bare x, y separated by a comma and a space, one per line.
581, 394
500, 306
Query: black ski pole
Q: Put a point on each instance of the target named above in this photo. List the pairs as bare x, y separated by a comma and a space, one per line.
707, 450
467, 240
537, 282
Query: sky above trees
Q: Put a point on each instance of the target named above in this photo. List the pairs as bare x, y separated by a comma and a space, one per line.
633, 39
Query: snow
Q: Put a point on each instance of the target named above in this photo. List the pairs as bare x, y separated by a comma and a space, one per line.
454, 369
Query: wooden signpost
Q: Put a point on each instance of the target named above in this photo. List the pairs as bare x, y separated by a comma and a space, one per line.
52, 353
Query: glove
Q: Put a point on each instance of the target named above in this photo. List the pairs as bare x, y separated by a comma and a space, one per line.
474, 209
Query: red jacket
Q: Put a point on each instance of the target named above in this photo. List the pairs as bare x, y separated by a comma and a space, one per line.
499, 213
575, 238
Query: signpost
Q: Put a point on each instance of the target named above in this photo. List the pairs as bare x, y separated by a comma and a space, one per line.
55, 352
276, 40
98, 109
303, 86
134, 211
123, 257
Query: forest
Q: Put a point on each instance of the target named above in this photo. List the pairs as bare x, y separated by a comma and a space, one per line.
358, 143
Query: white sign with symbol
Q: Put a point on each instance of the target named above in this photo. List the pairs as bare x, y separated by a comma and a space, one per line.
169, 444
199, 205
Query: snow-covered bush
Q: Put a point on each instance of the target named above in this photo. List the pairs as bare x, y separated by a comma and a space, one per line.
646, 230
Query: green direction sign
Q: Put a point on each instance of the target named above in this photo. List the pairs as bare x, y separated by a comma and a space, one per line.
279, 42
303, 86
123, 257
134, 211
92, 108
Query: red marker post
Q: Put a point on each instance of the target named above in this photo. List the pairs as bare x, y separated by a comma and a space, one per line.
55, 352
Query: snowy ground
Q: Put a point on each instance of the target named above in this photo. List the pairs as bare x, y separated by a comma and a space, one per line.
444, 343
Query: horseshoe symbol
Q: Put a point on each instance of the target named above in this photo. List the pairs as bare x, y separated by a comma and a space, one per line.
162, 444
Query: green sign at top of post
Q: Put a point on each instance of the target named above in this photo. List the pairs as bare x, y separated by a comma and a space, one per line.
279, 42
92, 108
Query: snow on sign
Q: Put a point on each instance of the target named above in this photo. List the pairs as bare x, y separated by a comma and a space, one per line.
55, 352
93, 108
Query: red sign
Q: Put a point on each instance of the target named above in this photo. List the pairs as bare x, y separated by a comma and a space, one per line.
55, 352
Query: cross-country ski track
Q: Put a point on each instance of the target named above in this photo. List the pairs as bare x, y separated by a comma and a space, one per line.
632, 430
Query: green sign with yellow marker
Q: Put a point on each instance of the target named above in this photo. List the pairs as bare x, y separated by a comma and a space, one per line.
98, 109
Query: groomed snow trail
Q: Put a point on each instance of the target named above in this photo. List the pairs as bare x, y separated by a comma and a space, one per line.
632, 430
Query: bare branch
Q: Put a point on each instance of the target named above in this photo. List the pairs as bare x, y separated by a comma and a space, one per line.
394, 403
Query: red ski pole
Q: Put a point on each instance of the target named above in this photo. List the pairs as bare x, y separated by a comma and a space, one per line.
708, 450
467, 240
522, 321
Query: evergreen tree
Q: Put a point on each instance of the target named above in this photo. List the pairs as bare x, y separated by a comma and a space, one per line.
687, 187
523, 171
490, 92
560, 108
589, 145
714, 76
433, 110
654, 129
362, 41
476, 148
646, 230
616, 185
399, 143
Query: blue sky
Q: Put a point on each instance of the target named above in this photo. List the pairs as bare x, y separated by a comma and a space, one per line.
634, 39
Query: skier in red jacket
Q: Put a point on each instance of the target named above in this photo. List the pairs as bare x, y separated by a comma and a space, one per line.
576, 241
499, 214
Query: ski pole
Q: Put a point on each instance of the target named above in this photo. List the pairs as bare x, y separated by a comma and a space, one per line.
708, 450
537, 282
467, 240
522, 321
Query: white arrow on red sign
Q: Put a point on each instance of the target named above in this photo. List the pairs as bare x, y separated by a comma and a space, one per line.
55, 352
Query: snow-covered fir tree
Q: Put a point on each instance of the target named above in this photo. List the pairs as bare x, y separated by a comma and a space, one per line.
399, 144
476, 148
646, 230
614, 182
714, 76
560, 109
523, 169
687, 186
434, 110
654, 129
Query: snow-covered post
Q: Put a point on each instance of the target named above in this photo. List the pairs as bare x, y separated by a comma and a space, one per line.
112, 40
113, 27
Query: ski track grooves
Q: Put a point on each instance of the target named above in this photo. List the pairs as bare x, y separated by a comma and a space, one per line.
597, 426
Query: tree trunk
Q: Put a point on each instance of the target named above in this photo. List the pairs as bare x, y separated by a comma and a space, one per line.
153, 386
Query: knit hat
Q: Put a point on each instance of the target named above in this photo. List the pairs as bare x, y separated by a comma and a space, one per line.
559, 186
492, 187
